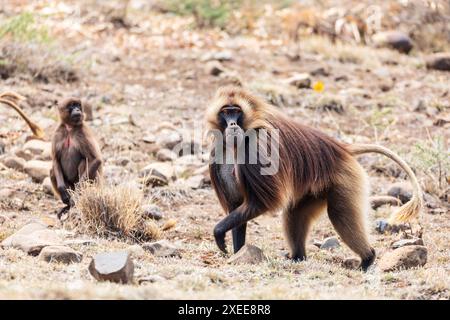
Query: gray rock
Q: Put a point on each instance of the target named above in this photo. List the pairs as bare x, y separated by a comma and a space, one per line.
225, 55
301, 81
162, 248
112, 266
438, 61
381, 225
6, 193
136, 251
60, 254
149, 138
2, 147
214, 68
195, 182
38, 170
248, 254
330, 243
395, 40
186, 148
15, 163
404, 258
26, 155
400, 191
351, 263
37, 147
407, 242
47, 186
157, 173
165, 155
168, 138
317, 243
152, 211
122, 161
32, 238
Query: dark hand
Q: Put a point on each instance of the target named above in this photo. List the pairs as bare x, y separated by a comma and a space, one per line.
65, 197
219, 235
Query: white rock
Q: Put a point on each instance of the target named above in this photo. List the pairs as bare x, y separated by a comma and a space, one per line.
15, 163
112, 266
248, 254
38, 170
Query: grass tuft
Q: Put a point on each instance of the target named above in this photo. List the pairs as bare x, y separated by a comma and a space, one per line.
111, 211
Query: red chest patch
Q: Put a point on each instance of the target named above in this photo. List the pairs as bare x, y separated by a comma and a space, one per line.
67, 141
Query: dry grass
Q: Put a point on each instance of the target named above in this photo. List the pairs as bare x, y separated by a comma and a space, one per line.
105, 210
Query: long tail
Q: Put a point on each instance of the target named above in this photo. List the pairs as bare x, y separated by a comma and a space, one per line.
11, 99
412, 208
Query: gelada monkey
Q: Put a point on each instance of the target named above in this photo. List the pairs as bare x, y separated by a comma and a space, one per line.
75, 152
316, 173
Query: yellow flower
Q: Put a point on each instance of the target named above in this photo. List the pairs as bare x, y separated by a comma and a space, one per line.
318, 86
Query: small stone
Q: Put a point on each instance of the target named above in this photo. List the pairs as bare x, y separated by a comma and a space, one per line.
186, 148
317, 243
248, 254
195, 182
157, 173
37, 147
151, 279
2, 147
165, 155
400, 191
168, 138
112, 266
15, 163
438, 61
351, 263
162, 248
38, 170
6, 193
149, 138
407, 242
394, 39
60, 254
381, 225
122, 161
225, 55
47, 186
403, 258
3, 219
32, 238
214, 68
301, 81
378, 201
330, 243
26, 155
152, 211
136, 251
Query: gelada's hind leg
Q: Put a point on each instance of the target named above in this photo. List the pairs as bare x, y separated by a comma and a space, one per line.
347, 208
297, 221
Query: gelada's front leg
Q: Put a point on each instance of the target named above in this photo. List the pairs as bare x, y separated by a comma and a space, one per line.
233, 220
239, 236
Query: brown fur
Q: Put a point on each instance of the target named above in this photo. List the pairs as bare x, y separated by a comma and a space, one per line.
315, 172
75, 153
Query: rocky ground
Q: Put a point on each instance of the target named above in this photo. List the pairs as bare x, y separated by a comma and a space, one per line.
148, 80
